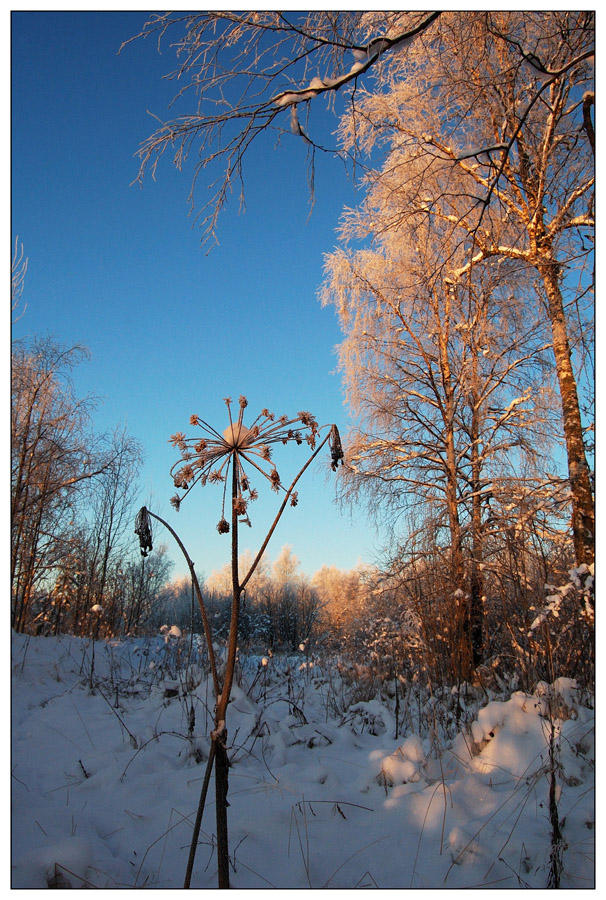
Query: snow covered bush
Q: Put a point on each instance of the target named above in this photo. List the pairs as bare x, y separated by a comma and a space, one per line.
580, 585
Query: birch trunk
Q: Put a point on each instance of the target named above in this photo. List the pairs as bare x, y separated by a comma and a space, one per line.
583, 518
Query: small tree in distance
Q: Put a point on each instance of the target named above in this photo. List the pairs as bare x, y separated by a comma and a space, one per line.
227, 459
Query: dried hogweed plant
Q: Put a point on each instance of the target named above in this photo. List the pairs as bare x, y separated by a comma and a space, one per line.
231, 459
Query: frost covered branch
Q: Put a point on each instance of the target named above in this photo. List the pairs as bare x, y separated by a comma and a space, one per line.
234, 61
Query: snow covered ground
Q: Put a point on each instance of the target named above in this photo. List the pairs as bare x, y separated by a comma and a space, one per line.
109, 744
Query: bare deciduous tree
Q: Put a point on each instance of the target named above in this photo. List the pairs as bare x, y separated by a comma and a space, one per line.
111, 499
18, 271
55, 455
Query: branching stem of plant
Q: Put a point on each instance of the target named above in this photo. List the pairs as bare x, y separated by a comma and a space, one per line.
196, 584
281, 510
220, 733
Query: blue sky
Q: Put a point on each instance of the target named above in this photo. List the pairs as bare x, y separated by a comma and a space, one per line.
173, 330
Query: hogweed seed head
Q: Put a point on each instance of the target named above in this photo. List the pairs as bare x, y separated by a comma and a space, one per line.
240, 505
210, 459
187, 473
178, 440
237, 435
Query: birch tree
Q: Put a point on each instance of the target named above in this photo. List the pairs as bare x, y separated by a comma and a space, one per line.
443, 381
245, 77
50, 459
500, 130
342, 595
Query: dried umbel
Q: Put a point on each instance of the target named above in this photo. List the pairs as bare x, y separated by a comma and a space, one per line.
209, 457
336, 450
144, 531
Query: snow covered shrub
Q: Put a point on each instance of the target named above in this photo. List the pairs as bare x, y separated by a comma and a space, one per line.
392, 641
561, 634
580, 585
405, 765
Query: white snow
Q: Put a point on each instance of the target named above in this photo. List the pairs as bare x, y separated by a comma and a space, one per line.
106, 780
294, 97
172, 631
535, 68
286, 98
356, 67
295, 125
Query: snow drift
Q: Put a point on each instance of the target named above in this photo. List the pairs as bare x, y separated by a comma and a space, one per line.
108, 748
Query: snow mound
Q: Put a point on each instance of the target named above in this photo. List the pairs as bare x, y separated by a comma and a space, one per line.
65, 864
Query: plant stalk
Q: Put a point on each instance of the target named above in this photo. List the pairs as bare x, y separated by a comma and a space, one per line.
194, 841
196, 584
280, 511
220, 733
